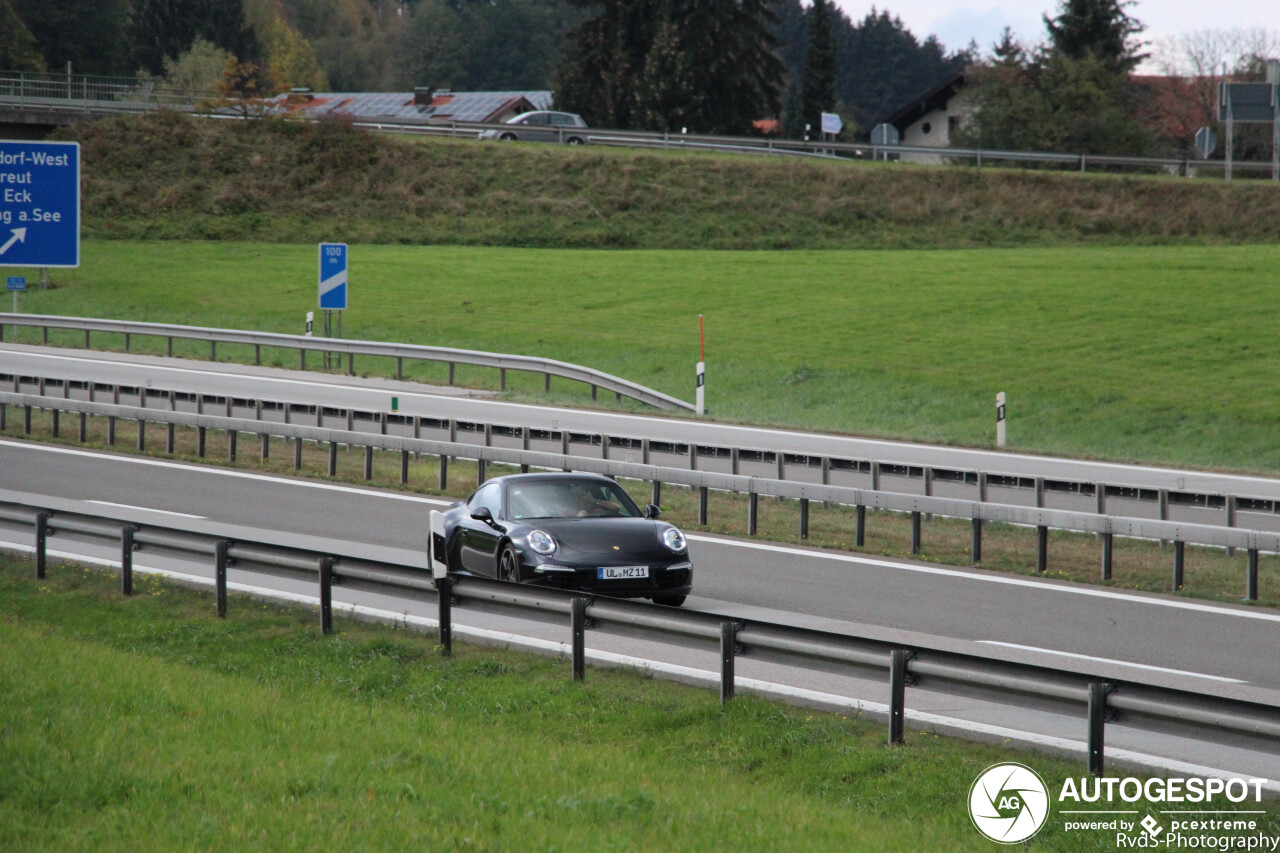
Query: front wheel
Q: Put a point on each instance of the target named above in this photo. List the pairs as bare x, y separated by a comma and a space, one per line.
509, 565
508, 137
576, 140
669, 600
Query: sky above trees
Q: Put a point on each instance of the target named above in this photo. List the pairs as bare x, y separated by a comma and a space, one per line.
955, 24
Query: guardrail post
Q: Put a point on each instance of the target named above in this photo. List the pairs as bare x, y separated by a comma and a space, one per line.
444, 473
1107, 548
1231, 521
444, 602
213, 350
404, 467
1164, 511
594, 392
578, 627
1097, 726
1039, 492
804, 518
524, 445
780, 459
326, 595
257, 353
1251, 576
753, 513
915, 533
368, 462
297, 453
399, 369
302, 359
232, 439
502, 378
702, 505
451, 366
897, 695
56, 424
1042, 548
333, 458
655, 496
84, 428
1100, 497
169, 348
221, 561
127, 336
26, 420
693, 457
860, 527
728, 649
42, 543
975, 542
1179, 563
4, 416
351, 364
481, 471
126, 560
202, 435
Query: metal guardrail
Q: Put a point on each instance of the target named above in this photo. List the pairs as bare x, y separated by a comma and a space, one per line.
304, 344
1162, 491
105, 95
1106, 527
1105, 698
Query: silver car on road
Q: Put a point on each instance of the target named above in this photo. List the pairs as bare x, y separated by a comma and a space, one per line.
542, 126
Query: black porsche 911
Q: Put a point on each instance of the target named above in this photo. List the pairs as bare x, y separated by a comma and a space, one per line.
573, 531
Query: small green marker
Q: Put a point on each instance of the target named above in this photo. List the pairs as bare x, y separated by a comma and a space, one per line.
395, 404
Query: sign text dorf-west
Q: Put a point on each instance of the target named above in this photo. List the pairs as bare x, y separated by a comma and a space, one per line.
39, 204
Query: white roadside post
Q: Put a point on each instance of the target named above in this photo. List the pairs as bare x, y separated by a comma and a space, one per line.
1000, 419
701, 398
311, 317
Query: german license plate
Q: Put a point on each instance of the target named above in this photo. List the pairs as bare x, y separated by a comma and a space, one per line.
612, 573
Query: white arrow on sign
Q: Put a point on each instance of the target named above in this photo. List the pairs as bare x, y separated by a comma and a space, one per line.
19, 236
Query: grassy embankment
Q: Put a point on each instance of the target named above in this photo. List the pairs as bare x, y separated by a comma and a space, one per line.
148, 724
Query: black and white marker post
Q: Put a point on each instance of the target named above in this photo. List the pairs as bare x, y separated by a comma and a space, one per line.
1000, 419
702, 370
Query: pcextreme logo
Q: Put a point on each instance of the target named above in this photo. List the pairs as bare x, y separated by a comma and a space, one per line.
1009, 803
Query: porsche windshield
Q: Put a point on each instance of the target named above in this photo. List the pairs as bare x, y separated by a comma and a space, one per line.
567, 498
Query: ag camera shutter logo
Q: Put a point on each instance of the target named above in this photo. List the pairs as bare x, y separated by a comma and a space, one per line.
1009, 803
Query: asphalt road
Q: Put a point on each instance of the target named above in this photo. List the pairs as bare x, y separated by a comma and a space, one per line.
1161, 639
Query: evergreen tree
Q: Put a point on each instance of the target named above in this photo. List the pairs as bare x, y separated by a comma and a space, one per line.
721, 51
819, 82
165, 29
18, 49
90, 34
1101, 29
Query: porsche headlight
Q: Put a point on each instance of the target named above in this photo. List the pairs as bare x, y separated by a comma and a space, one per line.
541, 541
674, 539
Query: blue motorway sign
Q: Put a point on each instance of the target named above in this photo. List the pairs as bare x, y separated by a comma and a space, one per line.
333, 276
39, 204
16, 282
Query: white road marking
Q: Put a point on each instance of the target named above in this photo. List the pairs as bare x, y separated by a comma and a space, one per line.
147, 509
1111, 660
708, 677
759, 546
1132, 598
224, 472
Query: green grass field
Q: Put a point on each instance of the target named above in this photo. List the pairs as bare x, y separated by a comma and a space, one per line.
1153, 354
149, 724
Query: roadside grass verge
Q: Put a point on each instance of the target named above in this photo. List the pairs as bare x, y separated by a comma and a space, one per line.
1153, 355
1209, 573
147, 723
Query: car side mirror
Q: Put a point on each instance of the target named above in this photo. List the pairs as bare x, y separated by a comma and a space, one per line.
482, 513
652, 511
